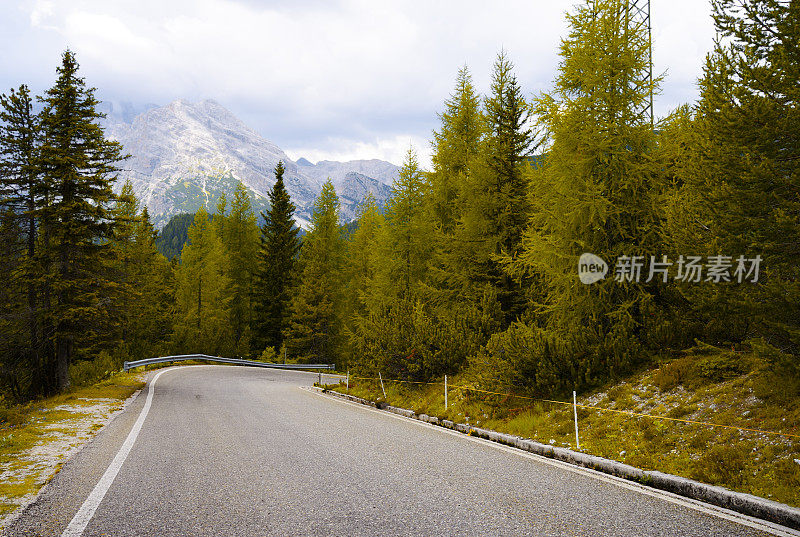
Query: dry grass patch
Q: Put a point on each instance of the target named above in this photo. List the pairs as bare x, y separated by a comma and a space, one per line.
700, 386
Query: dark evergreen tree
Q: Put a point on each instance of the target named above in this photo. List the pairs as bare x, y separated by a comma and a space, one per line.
277, 262
506, 147
173, 237
18, 167
77, 166
740, 173
16, 364
494, 202
19, 201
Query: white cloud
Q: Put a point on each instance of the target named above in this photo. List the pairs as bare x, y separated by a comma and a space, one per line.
103, 32
392, 149
41, 11
354, 77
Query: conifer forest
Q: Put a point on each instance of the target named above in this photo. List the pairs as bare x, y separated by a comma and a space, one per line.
474, 267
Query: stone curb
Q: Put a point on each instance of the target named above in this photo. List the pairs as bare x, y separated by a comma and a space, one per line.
746, 504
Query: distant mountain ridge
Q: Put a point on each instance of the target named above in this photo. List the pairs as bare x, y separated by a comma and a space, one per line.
353, 180
184, 155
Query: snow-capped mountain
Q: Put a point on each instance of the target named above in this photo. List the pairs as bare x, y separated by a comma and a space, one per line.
187, 154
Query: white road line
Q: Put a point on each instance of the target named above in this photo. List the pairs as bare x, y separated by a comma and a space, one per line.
720, 512
81, 519
86, 512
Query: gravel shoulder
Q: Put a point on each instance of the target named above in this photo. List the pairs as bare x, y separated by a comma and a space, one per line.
53, 431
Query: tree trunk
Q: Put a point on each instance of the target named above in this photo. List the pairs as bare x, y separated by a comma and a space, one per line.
64, 350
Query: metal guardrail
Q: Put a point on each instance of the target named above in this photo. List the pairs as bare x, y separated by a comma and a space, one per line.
236, 361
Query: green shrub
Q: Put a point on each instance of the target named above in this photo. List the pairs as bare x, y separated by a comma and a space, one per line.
11, 416
87, 372
681, 411
774, 359
702, 349
268, 355
779, 377
678, 371
722, 465
723, 366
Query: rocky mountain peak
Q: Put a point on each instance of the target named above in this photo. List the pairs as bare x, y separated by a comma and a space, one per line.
184, 155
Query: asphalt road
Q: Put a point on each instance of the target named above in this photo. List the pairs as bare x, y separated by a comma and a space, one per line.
234, 451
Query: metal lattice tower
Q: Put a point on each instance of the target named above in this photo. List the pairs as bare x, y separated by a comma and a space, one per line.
638, 19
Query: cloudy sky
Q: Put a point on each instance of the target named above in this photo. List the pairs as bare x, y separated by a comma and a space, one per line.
322, 79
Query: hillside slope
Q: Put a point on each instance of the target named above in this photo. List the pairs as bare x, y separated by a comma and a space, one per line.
655, 420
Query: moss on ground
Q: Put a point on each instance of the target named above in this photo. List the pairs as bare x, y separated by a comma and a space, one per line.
38, 422
18, 488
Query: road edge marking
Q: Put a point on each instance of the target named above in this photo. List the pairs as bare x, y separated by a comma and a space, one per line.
84, 515
690, 503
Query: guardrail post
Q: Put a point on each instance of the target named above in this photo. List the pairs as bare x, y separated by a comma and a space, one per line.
348, 380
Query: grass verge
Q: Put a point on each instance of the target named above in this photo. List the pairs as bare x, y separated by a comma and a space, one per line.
752, 462
36, 438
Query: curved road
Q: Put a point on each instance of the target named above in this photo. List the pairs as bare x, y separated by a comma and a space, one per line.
235, 451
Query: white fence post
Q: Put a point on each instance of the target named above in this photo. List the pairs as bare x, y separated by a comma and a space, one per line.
445, 392
382, 388
348, 380
575, 410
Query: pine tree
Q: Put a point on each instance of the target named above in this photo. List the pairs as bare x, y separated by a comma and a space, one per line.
77, 165
202, 293
277, 264
362, 253
740, 171
455, 146
314, 330
360, 267
220, 217
506, 147
494, 197
395, 327
596, 192
407, 234
174, 235
143, 296
19, 170
16, 360
151, 329
240, 239
19, 201
126, 216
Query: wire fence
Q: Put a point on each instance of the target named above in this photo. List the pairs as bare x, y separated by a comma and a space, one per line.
573, 404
